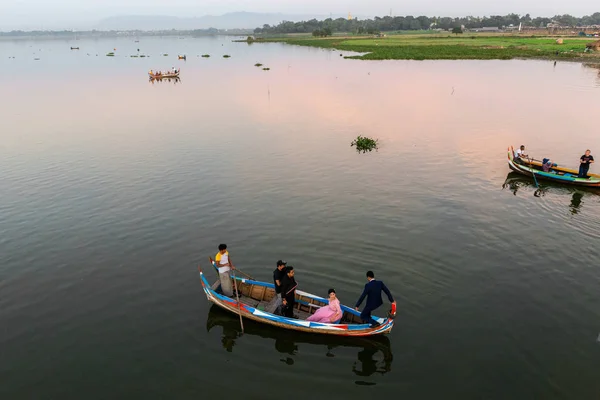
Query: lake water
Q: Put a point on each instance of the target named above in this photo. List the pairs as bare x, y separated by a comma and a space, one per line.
114, 189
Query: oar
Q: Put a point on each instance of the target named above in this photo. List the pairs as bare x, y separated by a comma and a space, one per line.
241, 272
533, 173
237, 295
246, 275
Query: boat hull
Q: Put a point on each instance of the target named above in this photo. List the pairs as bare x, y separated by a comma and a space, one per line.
248, 311
556, 174
164, 76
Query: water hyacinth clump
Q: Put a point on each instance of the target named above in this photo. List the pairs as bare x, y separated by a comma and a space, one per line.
205, 55
258, 65
226, 56
364, 144
266, 69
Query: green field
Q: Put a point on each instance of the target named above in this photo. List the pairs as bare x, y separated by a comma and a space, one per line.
452, 47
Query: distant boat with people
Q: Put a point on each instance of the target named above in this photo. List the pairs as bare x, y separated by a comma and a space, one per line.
162, 75
550, 171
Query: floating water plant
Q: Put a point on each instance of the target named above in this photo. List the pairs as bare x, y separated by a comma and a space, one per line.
165, 55
226, 56
266, 69
364, 144
205, 55
110, 54
258, 65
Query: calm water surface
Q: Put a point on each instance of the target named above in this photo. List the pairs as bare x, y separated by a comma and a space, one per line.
114, 189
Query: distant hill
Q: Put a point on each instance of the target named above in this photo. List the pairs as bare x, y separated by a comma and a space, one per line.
235, 20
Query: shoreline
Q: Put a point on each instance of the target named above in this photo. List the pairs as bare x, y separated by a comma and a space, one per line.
430, 47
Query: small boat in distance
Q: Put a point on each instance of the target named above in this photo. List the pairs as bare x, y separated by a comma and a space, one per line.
255, 295
182, 57
74, 48
531, 168
159, 75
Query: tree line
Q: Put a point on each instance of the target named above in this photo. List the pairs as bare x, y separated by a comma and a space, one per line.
410, 23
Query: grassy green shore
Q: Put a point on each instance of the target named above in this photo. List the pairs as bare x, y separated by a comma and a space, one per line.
454, 47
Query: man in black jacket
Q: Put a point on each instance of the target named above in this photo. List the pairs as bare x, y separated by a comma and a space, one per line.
372, 292
278, 275
288, 292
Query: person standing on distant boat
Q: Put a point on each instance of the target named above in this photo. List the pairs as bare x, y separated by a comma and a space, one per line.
584, 163
224, 267
277, 278
520, 153
372, 292
288, 292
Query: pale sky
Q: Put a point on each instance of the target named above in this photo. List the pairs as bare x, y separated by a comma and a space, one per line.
52, 14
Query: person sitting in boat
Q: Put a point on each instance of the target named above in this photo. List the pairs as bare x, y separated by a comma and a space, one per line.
330, 313
546, 165
224, 267
520, 153
288, 292
584, 164
277, 279
372, 292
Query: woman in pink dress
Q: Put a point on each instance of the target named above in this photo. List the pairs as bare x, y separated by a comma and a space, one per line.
330, 313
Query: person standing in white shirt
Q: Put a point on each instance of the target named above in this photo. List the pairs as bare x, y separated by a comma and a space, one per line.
225, 267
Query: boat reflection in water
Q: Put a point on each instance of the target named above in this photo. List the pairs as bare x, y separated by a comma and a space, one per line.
173, 80
374, 355
515, 181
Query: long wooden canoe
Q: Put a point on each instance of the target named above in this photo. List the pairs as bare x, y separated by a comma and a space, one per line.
556, 173
163, 76
255, 295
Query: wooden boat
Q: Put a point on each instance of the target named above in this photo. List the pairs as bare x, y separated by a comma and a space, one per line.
182, 57
556, 173
163, 76
74, 48
255, 295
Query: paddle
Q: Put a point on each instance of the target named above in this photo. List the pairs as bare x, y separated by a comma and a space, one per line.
533, 173
238, 270
237, 295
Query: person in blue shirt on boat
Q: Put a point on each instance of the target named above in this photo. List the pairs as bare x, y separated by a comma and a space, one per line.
372, 292
224, 267
584, 164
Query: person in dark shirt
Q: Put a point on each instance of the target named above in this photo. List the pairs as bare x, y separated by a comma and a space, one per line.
372, 292
584, 163
288, 292
277, 278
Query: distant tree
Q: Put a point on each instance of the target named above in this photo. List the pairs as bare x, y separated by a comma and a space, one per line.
457, 30
387, 23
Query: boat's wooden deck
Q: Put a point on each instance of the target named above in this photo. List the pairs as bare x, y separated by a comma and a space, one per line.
260, 297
